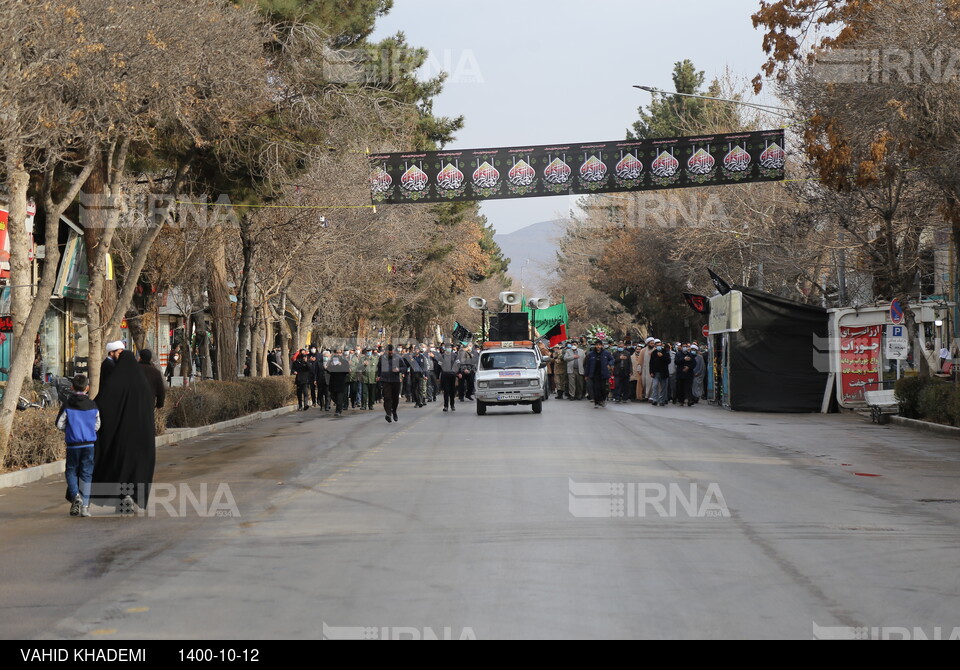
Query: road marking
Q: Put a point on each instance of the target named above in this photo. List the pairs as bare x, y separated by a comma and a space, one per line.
103, 631
137, 610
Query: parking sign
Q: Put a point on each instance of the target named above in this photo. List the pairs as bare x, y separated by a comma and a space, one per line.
896, 343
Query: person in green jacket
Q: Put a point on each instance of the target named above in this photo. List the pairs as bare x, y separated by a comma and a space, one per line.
355, 389
368, 397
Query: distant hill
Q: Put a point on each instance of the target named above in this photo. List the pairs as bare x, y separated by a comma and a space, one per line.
537, 242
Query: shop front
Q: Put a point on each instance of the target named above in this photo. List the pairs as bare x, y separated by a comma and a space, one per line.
871, 347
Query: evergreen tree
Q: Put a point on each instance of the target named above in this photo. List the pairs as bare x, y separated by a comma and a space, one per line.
674, 115
348, 22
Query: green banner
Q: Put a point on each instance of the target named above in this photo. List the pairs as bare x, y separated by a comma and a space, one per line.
548, 318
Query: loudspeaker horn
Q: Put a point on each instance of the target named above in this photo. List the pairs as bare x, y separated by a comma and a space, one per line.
477, 303
538, 303
510, 298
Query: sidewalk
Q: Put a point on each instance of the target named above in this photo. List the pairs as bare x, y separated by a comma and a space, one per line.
172, 436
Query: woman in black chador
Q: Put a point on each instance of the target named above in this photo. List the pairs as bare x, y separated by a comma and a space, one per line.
125, 454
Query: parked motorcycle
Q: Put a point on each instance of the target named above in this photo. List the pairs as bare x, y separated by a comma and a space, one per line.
53, 394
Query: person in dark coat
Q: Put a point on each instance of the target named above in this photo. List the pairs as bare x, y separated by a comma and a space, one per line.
317, 372
323, 381
391, 369
339, 369
304, 379
173, 360
598, 368
686, 365
126, 451
154, 377
622, 369
660, 374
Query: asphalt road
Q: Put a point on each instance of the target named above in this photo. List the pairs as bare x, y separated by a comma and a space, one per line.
511, 525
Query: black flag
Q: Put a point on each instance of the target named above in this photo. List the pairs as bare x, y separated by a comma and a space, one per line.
461, 334
699, 303
722, 286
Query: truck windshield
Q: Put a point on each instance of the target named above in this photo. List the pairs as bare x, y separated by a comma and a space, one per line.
508, 360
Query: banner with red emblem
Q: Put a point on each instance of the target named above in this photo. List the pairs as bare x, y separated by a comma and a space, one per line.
577, 169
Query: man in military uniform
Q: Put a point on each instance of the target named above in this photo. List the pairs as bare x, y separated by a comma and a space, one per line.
468, 367
576, 385
368, 377
559, 372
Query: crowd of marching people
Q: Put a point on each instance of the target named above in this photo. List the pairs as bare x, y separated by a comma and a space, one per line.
653, 371
339, 379
112, 440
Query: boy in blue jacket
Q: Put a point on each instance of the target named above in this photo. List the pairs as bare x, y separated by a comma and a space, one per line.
79, 419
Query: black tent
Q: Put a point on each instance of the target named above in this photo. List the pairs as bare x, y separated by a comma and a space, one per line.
769, 362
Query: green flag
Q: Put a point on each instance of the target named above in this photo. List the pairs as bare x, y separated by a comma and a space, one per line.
550, 317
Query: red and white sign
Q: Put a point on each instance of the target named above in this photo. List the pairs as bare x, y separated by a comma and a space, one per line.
860, 364
5, 238
705, 330
4, 246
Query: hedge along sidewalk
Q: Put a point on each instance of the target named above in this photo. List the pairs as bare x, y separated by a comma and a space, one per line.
928, 426
175, 435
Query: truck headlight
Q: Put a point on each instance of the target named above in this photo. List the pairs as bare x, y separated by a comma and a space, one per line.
534, 382
483, 385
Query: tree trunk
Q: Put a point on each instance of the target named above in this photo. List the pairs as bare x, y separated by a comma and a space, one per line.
285, 335
100, 210
305, 323
138, 325
246, 296
916, 341
267, 326
224, 322
22, 359
207, 372
21, 293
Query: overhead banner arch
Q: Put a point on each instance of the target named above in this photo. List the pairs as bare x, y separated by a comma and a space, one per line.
577, 169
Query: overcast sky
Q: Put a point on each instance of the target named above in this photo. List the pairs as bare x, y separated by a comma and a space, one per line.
537, 72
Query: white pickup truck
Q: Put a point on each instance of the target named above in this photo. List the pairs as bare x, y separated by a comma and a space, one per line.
511, 373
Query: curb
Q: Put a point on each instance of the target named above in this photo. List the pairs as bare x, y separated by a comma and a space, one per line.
34, 474
949, 431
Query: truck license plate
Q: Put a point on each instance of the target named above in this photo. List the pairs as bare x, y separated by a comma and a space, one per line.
509, 396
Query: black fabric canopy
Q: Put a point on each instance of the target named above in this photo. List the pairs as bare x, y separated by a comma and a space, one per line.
772, 356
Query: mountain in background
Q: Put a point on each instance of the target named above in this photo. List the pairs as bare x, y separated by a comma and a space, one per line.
537, 242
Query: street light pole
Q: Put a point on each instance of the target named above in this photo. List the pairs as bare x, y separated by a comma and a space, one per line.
765, 108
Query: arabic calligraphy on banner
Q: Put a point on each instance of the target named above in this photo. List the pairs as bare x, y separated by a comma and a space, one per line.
860, 364
577, 169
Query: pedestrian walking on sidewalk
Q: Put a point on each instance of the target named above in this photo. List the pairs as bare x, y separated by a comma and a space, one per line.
79, 419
